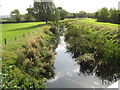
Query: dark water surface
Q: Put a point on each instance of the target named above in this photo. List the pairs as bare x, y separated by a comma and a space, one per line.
67, 72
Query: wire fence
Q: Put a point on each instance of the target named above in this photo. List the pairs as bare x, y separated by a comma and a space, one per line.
20, 37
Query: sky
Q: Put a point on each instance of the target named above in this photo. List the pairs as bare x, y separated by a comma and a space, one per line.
6, 6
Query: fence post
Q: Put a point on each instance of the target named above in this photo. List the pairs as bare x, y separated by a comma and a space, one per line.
23, 35
15, 38
5, 41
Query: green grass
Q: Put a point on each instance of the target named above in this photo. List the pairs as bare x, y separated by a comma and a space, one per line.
14, 48
95, 48
10, 31
93, 21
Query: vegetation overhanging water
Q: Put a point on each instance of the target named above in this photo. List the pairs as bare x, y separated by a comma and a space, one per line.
95, 49
88, 45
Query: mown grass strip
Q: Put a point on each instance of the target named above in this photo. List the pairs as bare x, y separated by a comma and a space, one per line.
93, 21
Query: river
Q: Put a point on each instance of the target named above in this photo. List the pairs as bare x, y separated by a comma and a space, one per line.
67, 74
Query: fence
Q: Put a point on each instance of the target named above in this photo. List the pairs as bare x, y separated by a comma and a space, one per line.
16, 38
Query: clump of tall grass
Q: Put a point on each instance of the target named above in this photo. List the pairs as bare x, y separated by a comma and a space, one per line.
96, 49
33, 64
35, 57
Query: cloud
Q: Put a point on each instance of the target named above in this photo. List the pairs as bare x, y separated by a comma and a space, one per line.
63, 74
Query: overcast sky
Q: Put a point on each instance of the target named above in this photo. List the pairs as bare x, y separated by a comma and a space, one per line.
6, 6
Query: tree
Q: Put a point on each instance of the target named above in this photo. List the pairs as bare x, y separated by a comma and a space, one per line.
62, 13
29, 15
44, 11
113, 15
55, 16
90, 15
81, 14
105, 15
15, 15
102, 15
71, 15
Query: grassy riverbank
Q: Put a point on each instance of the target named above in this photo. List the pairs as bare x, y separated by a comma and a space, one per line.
93, 21
28, 59
96, 48
17, 34
28, 55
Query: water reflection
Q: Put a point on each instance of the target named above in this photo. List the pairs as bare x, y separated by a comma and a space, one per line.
107, 71
69, 74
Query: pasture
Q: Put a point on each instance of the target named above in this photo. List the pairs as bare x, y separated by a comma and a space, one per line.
10, 31
93, 21
17, 34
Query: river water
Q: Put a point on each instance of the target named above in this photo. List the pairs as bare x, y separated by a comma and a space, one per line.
67, 72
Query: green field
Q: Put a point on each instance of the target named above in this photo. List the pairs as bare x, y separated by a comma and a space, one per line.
27, 35
10, 31
93, 21
17, 34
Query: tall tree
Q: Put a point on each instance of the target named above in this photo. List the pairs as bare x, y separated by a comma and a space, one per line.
105, 15
102, 15
55, 16
62, 13
44, 11
113, 15
81, 14
29, 15
15, 15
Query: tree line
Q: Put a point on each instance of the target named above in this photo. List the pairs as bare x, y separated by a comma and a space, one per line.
47, 11
105, 15
102, 15
41, 11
